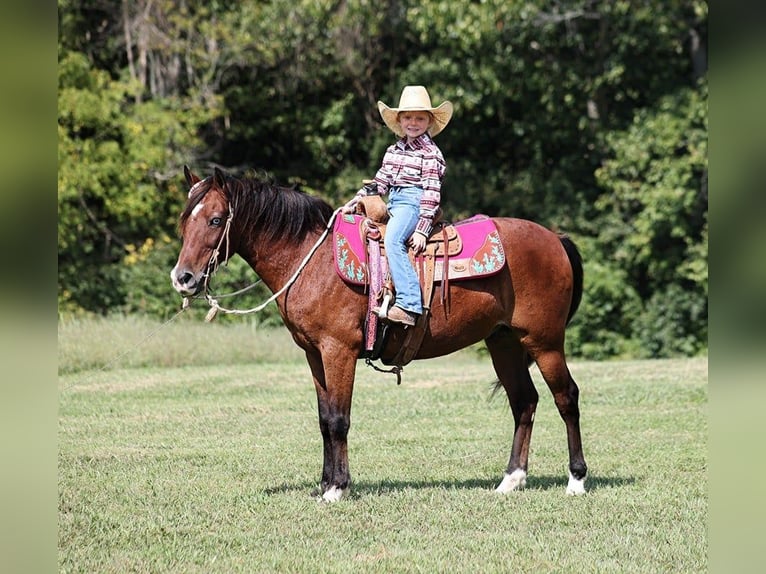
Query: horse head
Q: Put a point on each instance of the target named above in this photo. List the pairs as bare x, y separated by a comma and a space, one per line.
204, 228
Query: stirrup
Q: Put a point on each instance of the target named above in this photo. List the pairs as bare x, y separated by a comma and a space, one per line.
383, 309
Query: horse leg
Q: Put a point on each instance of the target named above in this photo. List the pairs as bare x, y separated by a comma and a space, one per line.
511, 366
334, 389
554, 369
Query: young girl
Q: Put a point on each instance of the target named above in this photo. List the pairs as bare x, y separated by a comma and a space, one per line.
411, 174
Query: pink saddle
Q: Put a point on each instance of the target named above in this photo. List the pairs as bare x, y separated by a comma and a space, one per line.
478, 251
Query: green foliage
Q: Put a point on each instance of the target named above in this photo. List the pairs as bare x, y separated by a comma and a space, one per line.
112, 191
654, 220
146, 270
590, 118
604, 324
673, 324
655, 210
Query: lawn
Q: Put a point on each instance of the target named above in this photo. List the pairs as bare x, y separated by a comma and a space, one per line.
213, 467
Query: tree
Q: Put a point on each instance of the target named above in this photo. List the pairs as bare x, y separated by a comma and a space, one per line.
654, 217
114, 159
555, 103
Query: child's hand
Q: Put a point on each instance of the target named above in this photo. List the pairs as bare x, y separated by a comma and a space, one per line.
350, 207
417, 241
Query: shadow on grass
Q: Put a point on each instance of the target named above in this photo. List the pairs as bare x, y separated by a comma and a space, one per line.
383, 487
592, 483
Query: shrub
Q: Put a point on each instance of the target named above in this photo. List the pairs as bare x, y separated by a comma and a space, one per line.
673, 324
603, 326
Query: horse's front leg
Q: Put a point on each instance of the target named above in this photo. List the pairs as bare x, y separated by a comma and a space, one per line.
334, 383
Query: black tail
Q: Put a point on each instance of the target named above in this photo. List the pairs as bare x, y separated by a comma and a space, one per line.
575, 260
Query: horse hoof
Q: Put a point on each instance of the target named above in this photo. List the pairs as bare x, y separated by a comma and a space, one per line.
576, 486
334, 494
514, 481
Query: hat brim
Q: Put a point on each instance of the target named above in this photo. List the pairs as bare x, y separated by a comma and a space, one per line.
442, 115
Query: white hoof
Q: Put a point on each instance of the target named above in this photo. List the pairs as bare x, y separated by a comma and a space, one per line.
576, 486
334, 494
514, 481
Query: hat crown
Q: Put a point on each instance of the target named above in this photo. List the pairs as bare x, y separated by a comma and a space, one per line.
415, 98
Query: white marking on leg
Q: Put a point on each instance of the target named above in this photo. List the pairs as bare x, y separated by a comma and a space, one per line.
576, 486
514, 481
334, 494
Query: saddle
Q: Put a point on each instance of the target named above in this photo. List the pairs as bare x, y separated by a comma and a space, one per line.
468, 249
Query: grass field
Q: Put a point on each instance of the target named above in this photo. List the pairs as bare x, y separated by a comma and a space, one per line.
196, 463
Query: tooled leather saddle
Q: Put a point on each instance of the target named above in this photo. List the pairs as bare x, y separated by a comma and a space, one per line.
467, 249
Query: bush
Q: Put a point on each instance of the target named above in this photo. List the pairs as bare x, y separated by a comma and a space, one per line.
673, 324
603, 326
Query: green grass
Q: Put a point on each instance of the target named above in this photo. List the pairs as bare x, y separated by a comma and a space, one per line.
119, 342
212, 468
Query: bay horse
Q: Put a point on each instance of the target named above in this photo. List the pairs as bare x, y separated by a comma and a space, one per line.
521, 312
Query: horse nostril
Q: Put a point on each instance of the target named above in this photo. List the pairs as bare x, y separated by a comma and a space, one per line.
185, 278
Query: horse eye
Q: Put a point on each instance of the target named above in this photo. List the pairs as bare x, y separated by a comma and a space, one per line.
216, 222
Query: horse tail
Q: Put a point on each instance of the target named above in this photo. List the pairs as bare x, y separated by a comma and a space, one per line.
575, 260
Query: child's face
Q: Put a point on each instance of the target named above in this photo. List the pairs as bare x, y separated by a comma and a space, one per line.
414, 124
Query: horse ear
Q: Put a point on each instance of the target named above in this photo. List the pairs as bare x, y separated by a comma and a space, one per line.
191, 179
220, 177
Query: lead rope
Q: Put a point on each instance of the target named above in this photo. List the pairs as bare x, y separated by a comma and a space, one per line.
215, 307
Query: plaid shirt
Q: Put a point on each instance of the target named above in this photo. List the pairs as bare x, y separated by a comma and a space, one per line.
417, 164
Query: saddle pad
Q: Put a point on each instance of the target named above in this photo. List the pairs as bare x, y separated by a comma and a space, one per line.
481, 253
350, 249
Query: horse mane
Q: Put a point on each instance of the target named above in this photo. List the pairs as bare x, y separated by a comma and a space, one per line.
263, 206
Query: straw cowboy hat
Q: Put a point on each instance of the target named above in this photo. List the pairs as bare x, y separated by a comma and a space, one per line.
416, 99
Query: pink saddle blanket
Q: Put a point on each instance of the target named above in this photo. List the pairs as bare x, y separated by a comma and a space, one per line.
481, 254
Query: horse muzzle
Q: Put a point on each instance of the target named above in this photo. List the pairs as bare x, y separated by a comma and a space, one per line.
185, 282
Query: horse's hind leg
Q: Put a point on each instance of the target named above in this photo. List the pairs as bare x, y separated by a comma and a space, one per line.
554, 369
511, 366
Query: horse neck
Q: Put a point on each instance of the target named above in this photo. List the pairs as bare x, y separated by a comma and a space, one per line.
277, 261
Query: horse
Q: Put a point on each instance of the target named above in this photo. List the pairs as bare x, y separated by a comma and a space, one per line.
520, 313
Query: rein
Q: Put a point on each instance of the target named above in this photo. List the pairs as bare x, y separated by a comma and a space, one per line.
215, 307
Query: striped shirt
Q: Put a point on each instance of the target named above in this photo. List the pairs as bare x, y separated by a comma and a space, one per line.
416, 164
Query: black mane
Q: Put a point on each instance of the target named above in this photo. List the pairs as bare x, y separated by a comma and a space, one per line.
266, 208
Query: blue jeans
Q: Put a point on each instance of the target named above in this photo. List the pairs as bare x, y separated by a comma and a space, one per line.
404, 209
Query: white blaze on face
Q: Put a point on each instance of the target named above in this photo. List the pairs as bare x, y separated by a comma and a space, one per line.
197, 209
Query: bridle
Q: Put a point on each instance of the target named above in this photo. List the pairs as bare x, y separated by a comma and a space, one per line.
214, 263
